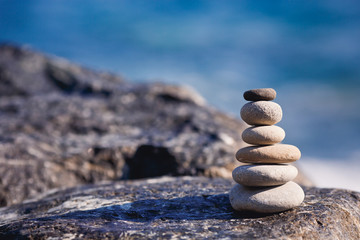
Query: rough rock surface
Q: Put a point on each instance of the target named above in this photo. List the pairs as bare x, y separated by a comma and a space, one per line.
176, 207
62, 125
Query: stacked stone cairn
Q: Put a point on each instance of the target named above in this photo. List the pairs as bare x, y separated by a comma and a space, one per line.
265, 184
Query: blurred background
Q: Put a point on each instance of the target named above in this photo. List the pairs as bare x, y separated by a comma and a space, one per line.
308, 51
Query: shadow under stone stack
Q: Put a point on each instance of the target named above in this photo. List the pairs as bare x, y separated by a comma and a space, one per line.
266, 184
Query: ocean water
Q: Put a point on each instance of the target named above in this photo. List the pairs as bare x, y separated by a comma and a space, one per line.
308, 51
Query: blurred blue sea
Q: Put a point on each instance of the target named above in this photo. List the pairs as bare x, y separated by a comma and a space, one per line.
309, 51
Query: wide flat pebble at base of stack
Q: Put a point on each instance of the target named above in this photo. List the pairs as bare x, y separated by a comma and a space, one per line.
266, 199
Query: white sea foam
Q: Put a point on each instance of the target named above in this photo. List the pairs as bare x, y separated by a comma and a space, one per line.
334, 173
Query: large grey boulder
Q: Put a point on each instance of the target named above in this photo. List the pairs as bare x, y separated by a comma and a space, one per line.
175, 207
62, 125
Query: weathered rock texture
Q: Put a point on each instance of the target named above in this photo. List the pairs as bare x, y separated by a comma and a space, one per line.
176, 207
62, 125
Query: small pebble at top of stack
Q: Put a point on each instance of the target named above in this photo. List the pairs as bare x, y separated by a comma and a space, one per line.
261, 94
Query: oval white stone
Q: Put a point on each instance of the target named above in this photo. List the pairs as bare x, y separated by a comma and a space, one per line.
266, 199
277, 153
264, 175
263, 135
261, 113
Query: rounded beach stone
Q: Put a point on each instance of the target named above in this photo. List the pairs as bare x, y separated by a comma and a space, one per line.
278, 153
263, 135
260, 94
264, 175
261, 113
266, 199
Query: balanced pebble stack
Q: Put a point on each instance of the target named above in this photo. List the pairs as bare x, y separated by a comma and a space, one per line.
265, 184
